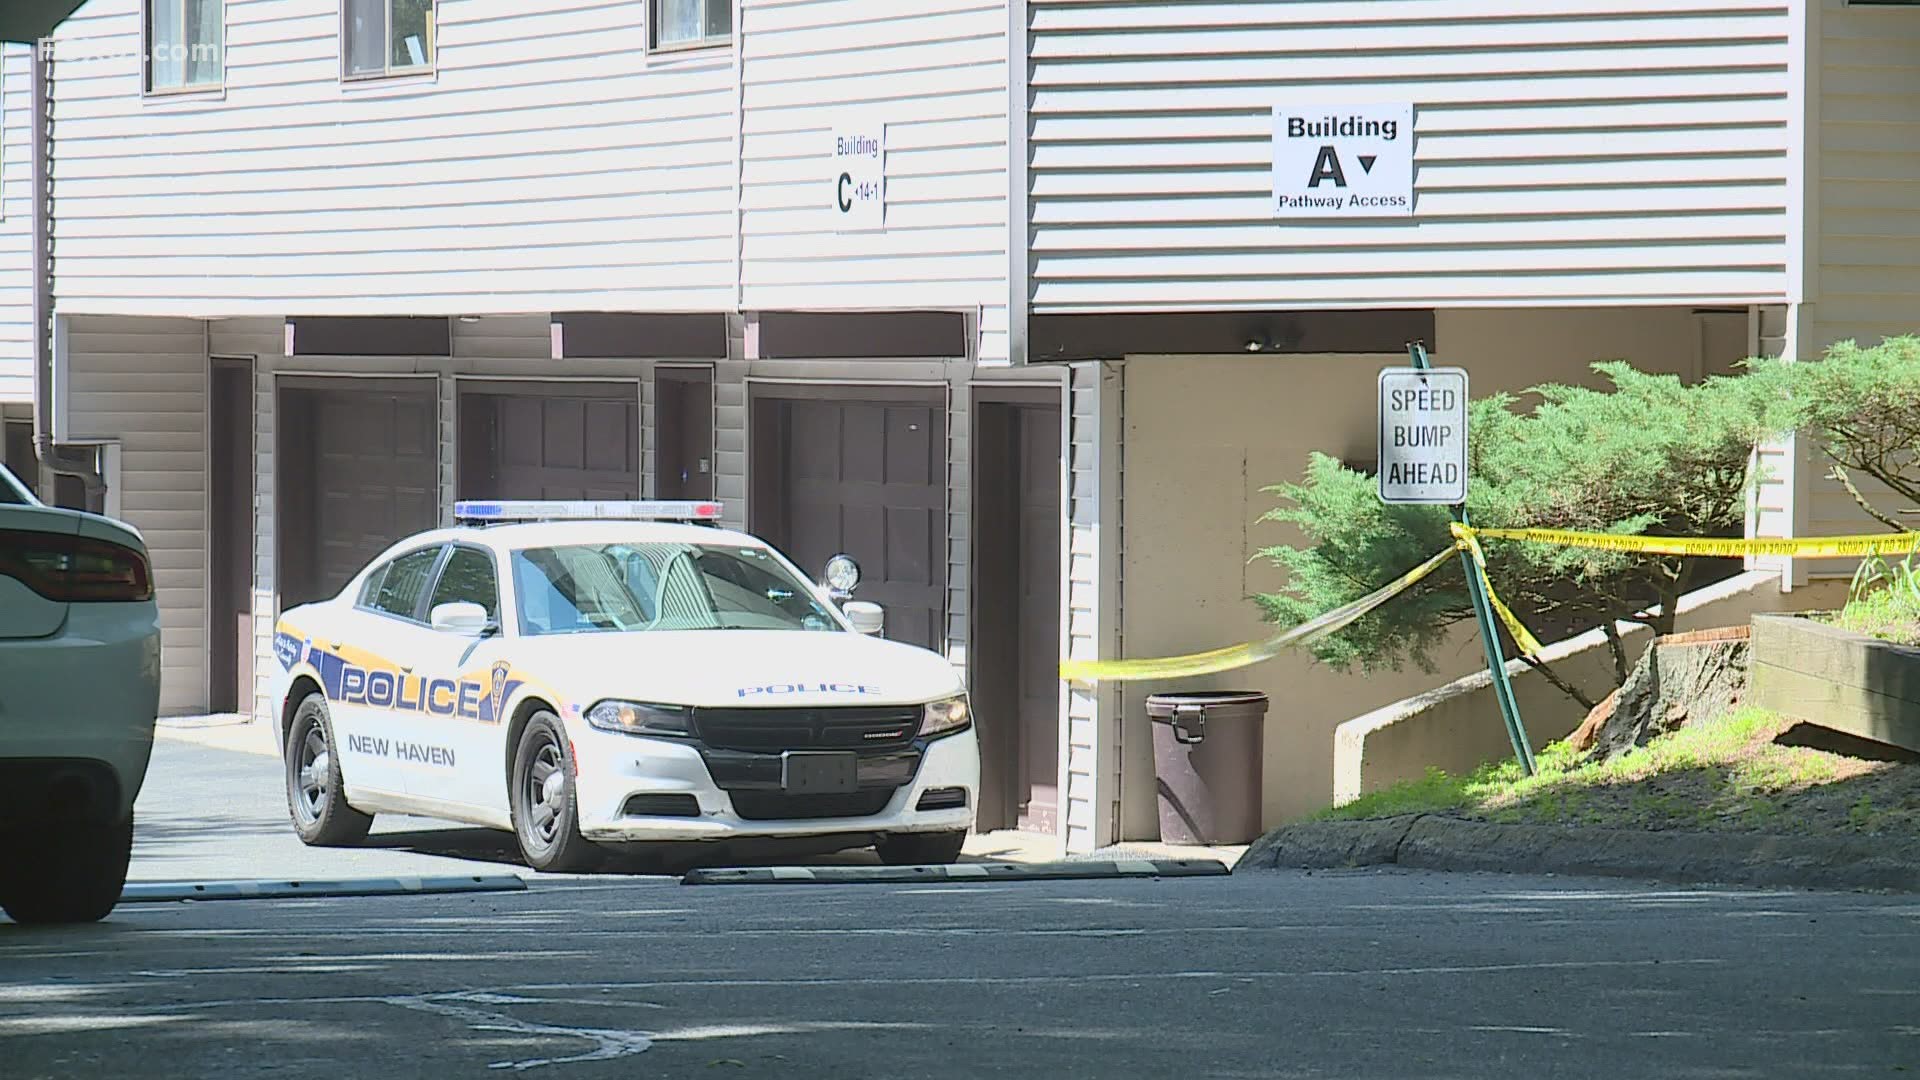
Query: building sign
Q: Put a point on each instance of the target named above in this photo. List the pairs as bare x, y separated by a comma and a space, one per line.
1342, 161
1423, 435
859, 172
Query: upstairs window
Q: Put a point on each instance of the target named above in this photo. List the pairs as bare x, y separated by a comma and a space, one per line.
691, 24
186, 45
386, 37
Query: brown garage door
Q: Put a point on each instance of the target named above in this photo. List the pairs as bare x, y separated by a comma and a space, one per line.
549, 441
861, 470
358, 471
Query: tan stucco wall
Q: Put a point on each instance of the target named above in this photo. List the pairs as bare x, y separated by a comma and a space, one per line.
1457, 727
1203, 435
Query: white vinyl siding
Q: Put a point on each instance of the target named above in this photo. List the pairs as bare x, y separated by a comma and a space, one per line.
1089, 753
143, 383
1866, 214
1568, 152
16, 223
933, 71
546, 164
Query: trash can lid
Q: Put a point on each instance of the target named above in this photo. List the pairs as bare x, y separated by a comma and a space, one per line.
1210, 702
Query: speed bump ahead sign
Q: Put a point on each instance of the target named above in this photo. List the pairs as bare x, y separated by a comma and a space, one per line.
1423, 435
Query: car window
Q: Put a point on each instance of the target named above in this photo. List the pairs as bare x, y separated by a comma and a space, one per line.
468, 578
402, 582
12, 491
584, 588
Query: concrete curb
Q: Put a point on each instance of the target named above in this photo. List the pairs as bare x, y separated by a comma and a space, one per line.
168, 891
1437, 842
870, 875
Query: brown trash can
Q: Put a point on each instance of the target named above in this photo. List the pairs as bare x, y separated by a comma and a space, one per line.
1206, 753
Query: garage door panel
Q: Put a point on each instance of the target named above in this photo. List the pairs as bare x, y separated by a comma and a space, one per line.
863, 438
414, 428
839, 474
362, 472
908, 540
812, 446
609, 440
909, 446
553, 442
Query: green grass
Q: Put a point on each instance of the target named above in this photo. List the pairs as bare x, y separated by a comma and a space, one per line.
1719, 774
1890, 614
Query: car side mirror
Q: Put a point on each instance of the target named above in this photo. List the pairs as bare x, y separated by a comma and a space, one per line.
460, 617
866, 617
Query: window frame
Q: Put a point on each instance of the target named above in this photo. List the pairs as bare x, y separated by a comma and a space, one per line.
377, 577
440, 573
147, 88
387, 70
654, 45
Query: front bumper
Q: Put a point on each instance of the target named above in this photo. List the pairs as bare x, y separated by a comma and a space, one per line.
612, 769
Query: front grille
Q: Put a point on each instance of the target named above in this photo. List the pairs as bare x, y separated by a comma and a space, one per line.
778, 806
769, 731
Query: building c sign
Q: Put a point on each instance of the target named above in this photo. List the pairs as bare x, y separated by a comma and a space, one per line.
859, 175
1342, 161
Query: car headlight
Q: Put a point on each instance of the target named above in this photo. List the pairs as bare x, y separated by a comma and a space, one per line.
942, 717
639, 718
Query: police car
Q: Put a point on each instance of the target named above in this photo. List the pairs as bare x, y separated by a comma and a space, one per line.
590, 673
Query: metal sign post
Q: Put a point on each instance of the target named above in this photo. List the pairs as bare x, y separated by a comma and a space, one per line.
1482, 610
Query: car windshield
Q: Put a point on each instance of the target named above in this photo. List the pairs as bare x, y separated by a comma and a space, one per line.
586, 588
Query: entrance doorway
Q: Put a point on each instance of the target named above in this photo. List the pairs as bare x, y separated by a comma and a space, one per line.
230, 539
1016, 605
683, 441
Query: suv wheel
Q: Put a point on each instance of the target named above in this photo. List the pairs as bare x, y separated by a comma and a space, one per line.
67, 873
921, 849
316, 795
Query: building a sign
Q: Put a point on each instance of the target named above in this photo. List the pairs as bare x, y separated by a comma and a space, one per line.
1342, 161
859, 174
1423, 435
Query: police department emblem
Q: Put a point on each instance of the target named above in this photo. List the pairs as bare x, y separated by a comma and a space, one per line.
500, 669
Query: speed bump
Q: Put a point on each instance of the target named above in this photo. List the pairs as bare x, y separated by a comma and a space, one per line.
873, 875
169, 891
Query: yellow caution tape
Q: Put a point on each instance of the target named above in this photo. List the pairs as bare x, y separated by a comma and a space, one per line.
1467, 538
1816, 547
1252, 652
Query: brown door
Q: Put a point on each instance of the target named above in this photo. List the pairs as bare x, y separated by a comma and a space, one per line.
230, 579
859, 470
19, 455
683, 433
1016, 605
359, 470
549, 441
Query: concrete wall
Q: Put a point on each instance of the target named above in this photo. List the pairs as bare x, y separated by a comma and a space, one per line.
1203, 436
1457, 727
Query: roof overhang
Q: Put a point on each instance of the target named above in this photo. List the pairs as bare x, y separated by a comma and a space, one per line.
31, 20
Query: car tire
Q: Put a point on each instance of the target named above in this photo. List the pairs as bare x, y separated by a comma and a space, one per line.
545, 807
316, 794
67, 873
921, 849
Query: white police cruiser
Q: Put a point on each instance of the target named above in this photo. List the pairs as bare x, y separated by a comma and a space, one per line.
583, 673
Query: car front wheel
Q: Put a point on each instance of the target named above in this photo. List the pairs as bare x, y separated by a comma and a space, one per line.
66, 873
316, 795
546, 817
921, 849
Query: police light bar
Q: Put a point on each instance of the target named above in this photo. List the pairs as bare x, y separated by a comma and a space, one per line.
534, 510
